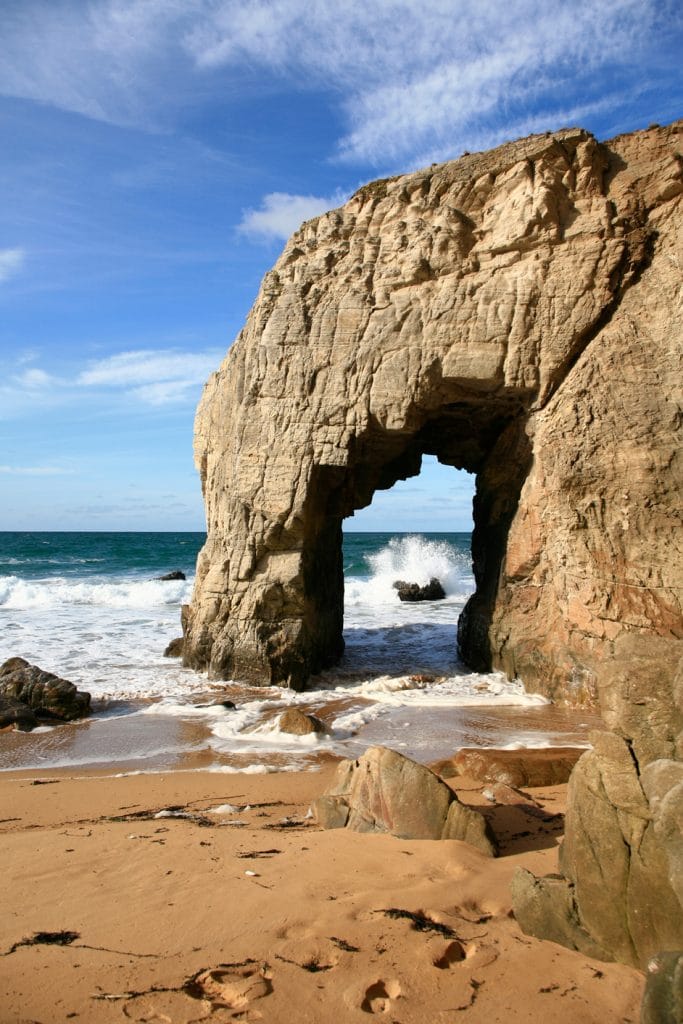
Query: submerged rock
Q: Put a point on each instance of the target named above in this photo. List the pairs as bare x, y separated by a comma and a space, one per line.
175, 575
43, 692
432, 591
550, 766
299, 723
386, 792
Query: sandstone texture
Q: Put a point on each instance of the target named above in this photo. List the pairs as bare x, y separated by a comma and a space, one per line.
386, 792
518, 314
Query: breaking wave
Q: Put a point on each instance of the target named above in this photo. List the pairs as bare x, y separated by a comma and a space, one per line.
56, 592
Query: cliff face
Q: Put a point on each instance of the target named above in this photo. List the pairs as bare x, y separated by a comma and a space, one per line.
516, 313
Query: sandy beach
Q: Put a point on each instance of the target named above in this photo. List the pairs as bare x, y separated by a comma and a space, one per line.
130, 897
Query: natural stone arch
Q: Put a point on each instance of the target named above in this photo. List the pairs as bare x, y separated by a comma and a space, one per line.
474, 310
518, 314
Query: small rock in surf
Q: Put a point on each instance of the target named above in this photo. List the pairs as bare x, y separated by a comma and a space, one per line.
432, 591
175, 648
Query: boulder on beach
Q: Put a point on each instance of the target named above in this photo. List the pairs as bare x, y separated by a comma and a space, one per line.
550, 766
15, 715
386, 792
175, 575
300, 723
432, 591
43, 692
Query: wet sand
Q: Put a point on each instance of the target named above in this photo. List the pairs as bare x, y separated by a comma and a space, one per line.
119, 738
255, 914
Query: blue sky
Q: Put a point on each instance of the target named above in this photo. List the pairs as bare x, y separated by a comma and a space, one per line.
157, 153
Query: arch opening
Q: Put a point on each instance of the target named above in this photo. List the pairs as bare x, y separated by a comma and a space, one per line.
417, 531
483, 435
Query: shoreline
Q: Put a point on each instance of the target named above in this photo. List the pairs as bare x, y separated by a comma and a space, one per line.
180, 919
125, 739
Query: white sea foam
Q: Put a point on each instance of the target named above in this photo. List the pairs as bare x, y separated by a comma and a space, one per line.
55, 592
400, 676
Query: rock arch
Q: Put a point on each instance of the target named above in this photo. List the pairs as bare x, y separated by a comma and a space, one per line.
517, 313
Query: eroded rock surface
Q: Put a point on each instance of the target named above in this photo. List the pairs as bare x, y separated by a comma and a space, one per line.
42, 692
517, 314
386, 792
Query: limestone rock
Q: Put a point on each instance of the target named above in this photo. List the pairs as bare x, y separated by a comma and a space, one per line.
43, 692
386, 792
531, 767
299, 723
432, 591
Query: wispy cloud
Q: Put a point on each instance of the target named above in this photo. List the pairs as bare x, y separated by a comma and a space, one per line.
33, 379
35, 470
155, 376
150, 377
11, 262
281, 214
409, 78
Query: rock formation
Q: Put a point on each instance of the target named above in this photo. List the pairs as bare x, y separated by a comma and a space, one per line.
517, 314
299, 723
42, 693
386, 792
432, 591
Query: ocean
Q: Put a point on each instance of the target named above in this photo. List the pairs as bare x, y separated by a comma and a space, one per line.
90, 608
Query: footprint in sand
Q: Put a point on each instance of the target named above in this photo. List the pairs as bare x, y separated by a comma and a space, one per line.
452, 953
232, 986
379, 996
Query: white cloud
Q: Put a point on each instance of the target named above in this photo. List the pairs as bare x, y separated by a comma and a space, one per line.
11, 262
34, 379
409, 77
155, 376
152, 377
35, 470
282, 213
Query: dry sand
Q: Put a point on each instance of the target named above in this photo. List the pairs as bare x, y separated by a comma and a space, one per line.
177, 919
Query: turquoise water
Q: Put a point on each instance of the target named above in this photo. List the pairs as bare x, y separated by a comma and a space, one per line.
85, 555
